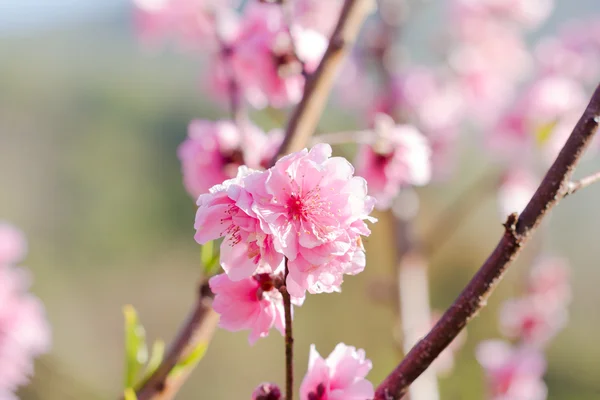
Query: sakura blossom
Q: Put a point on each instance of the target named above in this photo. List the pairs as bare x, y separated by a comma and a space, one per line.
251, 303
12, 244
24, 330
341, 376
214, 150
399, 156
512, 373
314, 208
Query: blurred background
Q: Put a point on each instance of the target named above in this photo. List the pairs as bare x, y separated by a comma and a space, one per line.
89, 126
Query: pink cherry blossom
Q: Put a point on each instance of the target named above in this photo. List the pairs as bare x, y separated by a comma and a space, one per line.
268, 57
512, 373
266, 391
516, 189
24, 331
12, 244
214, 150
341, 376
314, 209
251, 303
528, 13
549, 280
246, 247
400, 156
317, 14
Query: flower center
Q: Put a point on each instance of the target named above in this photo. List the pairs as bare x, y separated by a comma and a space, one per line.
318, 394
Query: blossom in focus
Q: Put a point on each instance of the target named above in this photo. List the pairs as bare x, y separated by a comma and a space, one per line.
268, 59
516, 189
400, 156
214, 150
266, 391
341, 376
314, 209
512, 373
246, 247
12, 244
24, 330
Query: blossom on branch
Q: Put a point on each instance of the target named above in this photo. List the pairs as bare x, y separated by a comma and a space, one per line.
341, 376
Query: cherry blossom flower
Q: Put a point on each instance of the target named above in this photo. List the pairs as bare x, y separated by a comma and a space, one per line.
269, 57
246, 247
266, 391
213, 151
549, 280
400, 156
317, 14
512, 373
528, 13
12, 244
24, 330
341, 376
314, 208
251, 303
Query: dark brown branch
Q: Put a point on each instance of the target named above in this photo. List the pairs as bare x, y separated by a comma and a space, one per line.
518, 230
306, 115
289, 340
198, 328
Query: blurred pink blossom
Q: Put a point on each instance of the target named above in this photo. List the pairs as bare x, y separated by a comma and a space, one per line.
399, 156
527, 13
341, 376
24, 330
269, 57
251, 303
190, 22
512, 373
214, 150
549, 279
246, 247
542, 118
266, 391
12, 244
314, 209
516, 189
317, 14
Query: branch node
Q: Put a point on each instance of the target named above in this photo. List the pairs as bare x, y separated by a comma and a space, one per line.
511, 225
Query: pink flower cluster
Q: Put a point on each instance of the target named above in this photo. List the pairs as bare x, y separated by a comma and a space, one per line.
341, 376
214, 150
24, 331
534, 319
400, 156
308, 209
267, 54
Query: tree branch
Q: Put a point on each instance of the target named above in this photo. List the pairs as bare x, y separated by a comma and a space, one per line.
574, 186
198, 328
518, 230
306, 115
289, 339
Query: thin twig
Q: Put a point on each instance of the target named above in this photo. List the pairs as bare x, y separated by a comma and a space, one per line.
198, 328
518, 230
289, 339
445, 225
574, 186
306, 115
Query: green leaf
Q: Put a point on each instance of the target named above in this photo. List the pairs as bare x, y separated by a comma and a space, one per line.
189, 362
209, 258
136, 351
156, 357
129, 394
544, 132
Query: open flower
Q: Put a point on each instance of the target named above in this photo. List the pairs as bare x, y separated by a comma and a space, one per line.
400, 156
314, 208
339, 377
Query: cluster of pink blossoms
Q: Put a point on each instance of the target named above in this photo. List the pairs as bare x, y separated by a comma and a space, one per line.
516, 372
24, 331
267, 54
308, 209
341, 376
